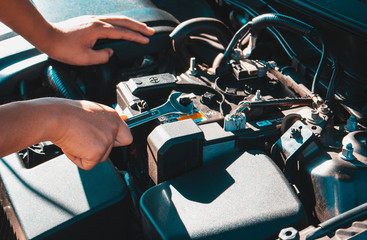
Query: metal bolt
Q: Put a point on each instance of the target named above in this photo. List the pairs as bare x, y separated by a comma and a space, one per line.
324, 109
315, 117
315, 114
295, 132
185, 101
272, 64
347, 152
351, 125
289, 234
192, 70
258, 95
237, 54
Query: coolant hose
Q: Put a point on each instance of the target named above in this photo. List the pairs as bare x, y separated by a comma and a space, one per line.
282, 21
198, 26
62, 83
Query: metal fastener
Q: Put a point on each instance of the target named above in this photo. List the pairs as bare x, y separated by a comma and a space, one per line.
192, 70
258, 95
324, 109
351, 125
237, 54
295, 132
289, 234
347, 152
315, 117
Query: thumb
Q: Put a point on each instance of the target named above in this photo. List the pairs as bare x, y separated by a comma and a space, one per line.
123, 136
99, 56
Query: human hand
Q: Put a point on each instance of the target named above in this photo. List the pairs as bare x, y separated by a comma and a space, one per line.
86, 131
72, 41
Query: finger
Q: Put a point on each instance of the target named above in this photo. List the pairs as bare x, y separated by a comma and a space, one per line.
87, 164
97, 56
71, 157
123, 136
77, 161
115, 32
107, 153
83, 164
130, 24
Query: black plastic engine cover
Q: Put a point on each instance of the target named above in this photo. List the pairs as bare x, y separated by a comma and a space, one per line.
57, 200
236, 197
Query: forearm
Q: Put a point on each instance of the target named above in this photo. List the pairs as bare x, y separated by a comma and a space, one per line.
23, 124
84, 130
24, 18
71, 41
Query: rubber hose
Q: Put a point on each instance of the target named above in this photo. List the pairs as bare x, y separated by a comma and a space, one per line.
62, 83
198, 26
282, 21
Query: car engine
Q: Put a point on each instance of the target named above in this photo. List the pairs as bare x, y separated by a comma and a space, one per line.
249, 122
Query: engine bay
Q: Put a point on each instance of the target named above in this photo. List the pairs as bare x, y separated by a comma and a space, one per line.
249, 122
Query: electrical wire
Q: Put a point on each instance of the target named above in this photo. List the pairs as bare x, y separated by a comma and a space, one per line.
242, 106
317, 74
289, 51
189, 86
331, 88
279, 37
238, 35
216, 87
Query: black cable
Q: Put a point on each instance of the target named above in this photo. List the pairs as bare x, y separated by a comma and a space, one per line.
238, 35
277, 20
316, 77
196, 26
331, 88
216, 87
279, 37
336, 222
282, 21
283, 43
353, 110
189, 86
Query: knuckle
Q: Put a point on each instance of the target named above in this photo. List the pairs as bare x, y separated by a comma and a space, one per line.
115, 127
99, 151
96, 23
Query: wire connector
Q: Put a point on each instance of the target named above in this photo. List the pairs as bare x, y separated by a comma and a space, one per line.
235, 122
